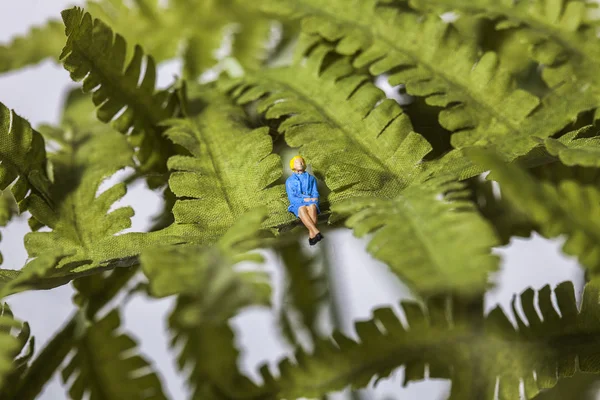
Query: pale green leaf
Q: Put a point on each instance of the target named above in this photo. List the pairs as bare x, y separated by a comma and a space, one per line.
209, 269
107, 365
572, 151
567, 207
230, 169
430, 235
41, 42
211, 292
306, 288
208, 352
8, 208
96, 56
481, 102
93, 293
558, 33
22, 158
452, 346
505, 219
16, 349
199, 28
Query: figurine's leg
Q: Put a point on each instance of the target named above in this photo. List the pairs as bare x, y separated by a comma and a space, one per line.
312, 211
307, 221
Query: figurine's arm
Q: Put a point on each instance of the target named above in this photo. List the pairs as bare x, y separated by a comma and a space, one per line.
314, 192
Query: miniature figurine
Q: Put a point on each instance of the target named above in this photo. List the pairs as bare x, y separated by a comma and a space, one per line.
302, 192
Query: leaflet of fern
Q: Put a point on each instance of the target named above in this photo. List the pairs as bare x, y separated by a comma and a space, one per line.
482, 103
104, 367
200, 34
22, 159
82, 230
7, 210
210, 292
538, 352
567, 207
573, 150
41, 42
558, 34
230, 170
94, 55
408, 236
15, 350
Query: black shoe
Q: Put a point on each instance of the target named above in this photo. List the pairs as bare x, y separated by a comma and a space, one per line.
312, 241
318, 237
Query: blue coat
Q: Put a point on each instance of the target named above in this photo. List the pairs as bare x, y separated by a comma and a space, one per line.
299, 187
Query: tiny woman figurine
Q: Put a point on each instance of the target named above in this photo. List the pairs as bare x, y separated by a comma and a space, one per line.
302, 192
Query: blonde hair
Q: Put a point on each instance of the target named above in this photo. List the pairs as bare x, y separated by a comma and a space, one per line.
294, 159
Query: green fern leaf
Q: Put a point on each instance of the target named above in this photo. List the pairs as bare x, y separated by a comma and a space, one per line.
506, 220
208, 351
306, 288
105, 368
559, 34
565, 207
153, 29
83, 232
571, 151
358, 141
538, 353
15, 351
93, 293
80, 224
212, 292
8, 208
437, 246
228, 172
94, 55
199, 28
40, 43
482, 103
209, 269
22, 159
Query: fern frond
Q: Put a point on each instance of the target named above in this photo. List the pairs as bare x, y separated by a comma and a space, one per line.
306, 288
539, 352
39, 43
250, 33
198, 28
153, 29
23, 163
15, 350
94, 55
208, 351
559, 34
584, 151
481, 101
230, 170
211, 292
505, 219
435, 245
93, 293
80, 224
360, 142
8, 208
83, 232
565, 207
209, 269
104, 367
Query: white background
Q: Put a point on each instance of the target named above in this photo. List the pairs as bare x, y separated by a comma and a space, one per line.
362, 283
